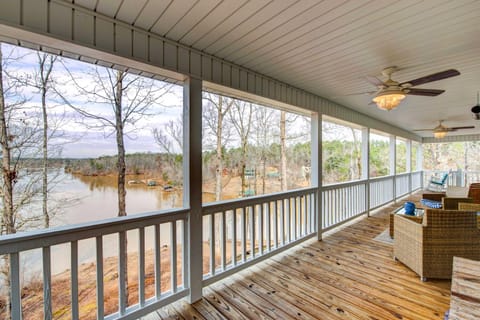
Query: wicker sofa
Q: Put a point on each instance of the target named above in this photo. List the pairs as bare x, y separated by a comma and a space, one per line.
428, 248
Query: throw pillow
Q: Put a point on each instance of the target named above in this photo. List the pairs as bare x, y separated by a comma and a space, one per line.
431, 203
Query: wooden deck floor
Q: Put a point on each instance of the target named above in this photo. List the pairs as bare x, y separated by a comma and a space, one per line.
348, 275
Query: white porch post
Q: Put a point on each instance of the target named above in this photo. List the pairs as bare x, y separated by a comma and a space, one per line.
366, 166
420, 163
393, 166
408, 165
316, 163
192, 191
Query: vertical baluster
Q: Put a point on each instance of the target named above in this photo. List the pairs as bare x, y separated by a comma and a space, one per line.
337, 206
308, 198
234, 237
275, 224
346, 203
295, 217
99, 249
158, 257
251, 209
289, 224
302, 217
326, 208
304, 210
212, 244
356, 200
173, 256
332, 207
287, 220
185, 261
302, 220
267, 225
141, 266
307, 213
74, 278
260, 228
290, 215
122, 288
313, 222
244, 234
15, 292
282, 220
223, 243
47, 283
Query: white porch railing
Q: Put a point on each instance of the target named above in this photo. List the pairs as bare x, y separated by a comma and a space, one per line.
236, 234
174, 221
458, 178
242, 231
381, 191
402, 184
342, 202
417, 180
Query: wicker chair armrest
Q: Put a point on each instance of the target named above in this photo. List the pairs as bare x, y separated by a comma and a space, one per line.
408, 227
467, 206
434, 196
452, 203
408, 244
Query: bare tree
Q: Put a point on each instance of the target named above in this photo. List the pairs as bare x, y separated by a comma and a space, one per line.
18, 138
241, 117
170, 140
43, 81
129, 98
216, 108
264, 136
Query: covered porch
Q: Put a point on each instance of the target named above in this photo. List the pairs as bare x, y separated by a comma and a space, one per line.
348, 275
306, 252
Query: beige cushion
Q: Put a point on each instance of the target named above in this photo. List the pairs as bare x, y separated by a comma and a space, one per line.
457, 192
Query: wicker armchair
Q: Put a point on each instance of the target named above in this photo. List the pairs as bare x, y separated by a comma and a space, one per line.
449, 202
465, 206
428, 248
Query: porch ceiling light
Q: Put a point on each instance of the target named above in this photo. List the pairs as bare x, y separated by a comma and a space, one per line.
389, 99
439, 134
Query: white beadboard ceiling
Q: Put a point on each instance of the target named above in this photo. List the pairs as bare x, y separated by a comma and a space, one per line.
327, 47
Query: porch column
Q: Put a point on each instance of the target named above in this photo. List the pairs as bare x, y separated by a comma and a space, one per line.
192, 190
408, 165
420, 164
366, 166
393, 165
316, 163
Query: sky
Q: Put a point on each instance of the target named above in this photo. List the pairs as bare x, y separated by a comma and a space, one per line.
81, 137
85, 137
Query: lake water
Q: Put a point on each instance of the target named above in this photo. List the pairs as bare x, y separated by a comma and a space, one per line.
85, 199
95, 198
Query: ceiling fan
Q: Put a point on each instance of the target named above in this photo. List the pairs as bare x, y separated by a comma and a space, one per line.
441, 131
390, 92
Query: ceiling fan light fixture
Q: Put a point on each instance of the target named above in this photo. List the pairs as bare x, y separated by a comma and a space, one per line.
389, 99
439, 134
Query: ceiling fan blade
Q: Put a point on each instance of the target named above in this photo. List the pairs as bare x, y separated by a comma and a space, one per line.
459, 128
424, 92
423, 129
375, 81
433, 77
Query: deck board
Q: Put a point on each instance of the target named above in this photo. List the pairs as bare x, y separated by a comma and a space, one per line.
347, 275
